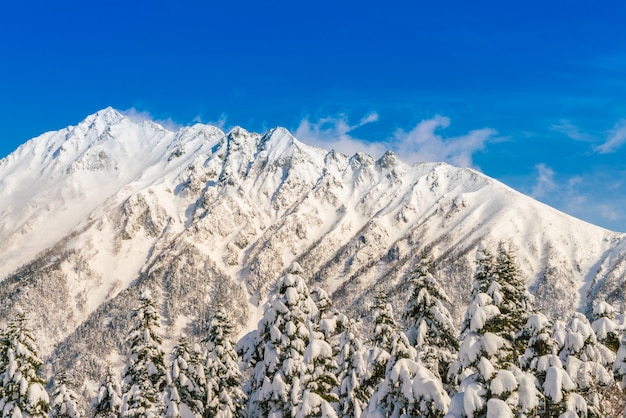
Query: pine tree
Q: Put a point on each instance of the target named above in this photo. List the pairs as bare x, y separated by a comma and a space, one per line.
390, 340
224, 395
542, 360
619, 367
430, 328
145, 374
409, 390
587, 361
186, 383
23, 393
605, 325
351, 369
487, 365
318, 379
64, 404
108, 402
277, 348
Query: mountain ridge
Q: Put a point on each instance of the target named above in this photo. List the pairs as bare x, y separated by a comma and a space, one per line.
115, 204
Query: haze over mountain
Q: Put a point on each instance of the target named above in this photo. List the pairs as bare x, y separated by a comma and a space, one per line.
93, 213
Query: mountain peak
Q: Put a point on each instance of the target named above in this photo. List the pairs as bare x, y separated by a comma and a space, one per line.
106, 116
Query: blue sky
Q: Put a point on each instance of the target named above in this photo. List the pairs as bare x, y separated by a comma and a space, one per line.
531, 93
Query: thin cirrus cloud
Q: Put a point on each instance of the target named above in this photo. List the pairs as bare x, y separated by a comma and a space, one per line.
616, 138
335, 133
583, 197
422, 143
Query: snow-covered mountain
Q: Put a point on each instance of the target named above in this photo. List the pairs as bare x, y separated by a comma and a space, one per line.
92, 213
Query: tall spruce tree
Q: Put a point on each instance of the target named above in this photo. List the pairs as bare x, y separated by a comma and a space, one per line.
23, 392
619, 367
409, 390
277, 350
108, 402
587, 361
489, 380
186, 382
64, 398
430, 328
389, 339
224, 395
351, 369
145, 374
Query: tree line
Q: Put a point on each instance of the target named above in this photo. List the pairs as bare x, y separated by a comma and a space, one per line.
307, 359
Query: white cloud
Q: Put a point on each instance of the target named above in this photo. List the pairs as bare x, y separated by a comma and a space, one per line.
423, 144
545, 183
571, 131
616, 139
589, 197
143, 116
419, 144
334, 133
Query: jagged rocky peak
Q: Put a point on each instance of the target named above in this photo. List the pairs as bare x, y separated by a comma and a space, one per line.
388, 160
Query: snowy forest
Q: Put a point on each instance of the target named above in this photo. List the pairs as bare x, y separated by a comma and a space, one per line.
307, 359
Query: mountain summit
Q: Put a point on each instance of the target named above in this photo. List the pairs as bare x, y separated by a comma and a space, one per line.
94, 212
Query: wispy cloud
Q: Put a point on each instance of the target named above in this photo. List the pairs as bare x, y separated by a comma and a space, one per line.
221, 122
589, 197
421, 143
571, 131
336, 133
615, 140
545, 183
143, 116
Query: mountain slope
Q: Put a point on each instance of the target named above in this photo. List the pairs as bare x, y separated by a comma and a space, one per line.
92, 213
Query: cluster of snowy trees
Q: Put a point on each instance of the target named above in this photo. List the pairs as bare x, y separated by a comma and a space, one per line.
306, 359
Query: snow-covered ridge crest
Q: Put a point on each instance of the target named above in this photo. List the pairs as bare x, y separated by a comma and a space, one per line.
113, 204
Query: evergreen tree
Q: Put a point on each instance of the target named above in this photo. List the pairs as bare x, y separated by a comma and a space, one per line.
23, 393
224, 395
108, 402
586, 361
542, 360
318, 379
605, 325
409, 390
64, 399
487, 363
430, 328
351, 366
391, 341
186, 383
619, 367
145, 374
277, 349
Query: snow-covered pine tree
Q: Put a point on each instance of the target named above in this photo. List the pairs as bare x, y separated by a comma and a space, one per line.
108, 402
409, 390
487, 365
276, 349
145, 374
224, 395
587, 361
351, 368
23, 392
389, 339
542, 360
430, 328
517, 303
318, 379
64, 399
619, 367
605, 325
185, 382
